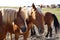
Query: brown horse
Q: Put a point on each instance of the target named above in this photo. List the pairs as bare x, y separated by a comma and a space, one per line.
2, 28
49, 18
37, 18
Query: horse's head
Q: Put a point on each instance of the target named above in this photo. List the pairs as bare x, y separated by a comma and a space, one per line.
23, 12
35, 10
20, 20
37, 16
22, 16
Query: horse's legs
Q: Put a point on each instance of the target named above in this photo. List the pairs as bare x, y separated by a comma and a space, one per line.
5, 35
32, 31
11, 35
50, 32
25, 38
16, 37
56, 30
25, 35
47, 32
5, 38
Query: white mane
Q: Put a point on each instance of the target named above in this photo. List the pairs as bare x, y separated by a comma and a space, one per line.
39, 9
29, 10
26, 11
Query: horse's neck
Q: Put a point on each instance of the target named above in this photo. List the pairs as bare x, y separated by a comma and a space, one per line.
38, 19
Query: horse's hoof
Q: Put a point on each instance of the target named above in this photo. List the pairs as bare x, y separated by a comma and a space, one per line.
46, 36
50, 35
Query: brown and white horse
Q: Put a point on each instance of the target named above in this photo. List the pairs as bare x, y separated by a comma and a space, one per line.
7, 17
20, 23
24, 12
40, 20
37, 18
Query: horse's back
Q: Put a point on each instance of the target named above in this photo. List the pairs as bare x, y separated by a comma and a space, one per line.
48, 17
48, 14
9, 15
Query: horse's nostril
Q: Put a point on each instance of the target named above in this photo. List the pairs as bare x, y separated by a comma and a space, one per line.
40, 30
23, 29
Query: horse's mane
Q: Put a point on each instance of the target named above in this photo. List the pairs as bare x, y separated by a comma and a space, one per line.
38, 9
8, 14
25, 12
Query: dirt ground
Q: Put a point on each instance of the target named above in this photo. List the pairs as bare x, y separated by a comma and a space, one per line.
55, 36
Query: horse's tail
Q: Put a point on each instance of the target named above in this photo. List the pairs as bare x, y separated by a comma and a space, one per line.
56, 23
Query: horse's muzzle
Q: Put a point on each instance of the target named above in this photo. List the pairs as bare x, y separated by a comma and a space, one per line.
23, 29
40, 30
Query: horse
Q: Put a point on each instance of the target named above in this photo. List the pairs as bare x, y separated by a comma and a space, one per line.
49, 19
37, 19
13, 26
2, 28
19, 24
24, 12
26, 15
8, 15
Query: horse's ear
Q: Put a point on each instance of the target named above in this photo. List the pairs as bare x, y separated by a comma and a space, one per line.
19, 8
0, 12
33, 6
19, 11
